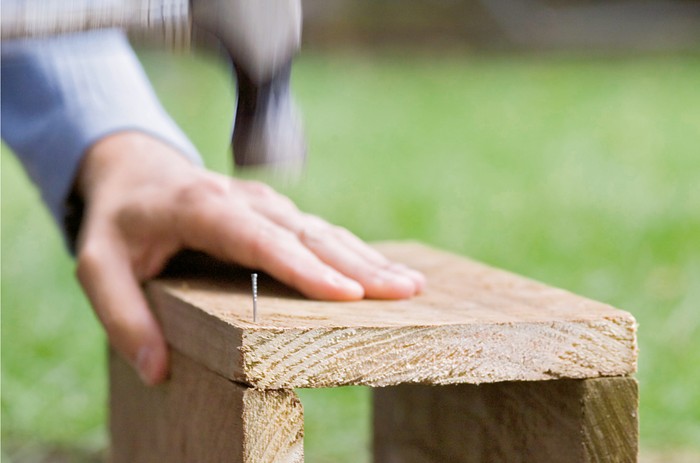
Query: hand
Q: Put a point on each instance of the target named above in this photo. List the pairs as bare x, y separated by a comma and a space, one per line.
145, 202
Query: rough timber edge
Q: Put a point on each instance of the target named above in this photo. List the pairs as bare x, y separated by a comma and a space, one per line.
438, 355
609, 346
199, 335
231, 350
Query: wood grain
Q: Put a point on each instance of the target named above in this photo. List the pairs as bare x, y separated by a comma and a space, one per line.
473, 324
198, 416
573, 421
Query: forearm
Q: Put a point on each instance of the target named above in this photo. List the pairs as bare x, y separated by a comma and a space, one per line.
62, 95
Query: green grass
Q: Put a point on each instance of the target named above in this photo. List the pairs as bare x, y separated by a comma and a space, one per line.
582, 173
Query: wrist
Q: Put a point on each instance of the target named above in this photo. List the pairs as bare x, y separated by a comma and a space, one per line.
127, 157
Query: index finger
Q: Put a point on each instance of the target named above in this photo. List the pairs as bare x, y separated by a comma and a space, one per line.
238, 234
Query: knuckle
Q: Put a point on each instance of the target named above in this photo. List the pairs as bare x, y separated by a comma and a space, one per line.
123, 327
88, 260
261, 242
265, 242
311, 236
374, 273
114, 322
286, 203
259, 189
200, 190
263, 192
316, 231
199, 201
341, 233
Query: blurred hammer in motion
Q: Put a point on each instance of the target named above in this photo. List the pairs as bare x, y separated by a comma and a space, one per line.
261, 38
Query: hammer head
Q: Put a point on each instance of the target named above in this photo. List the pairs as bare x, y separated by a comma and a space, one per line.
261, 38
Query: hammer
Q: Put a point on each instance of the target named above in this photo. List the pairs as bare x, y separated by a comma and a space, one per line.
261, 38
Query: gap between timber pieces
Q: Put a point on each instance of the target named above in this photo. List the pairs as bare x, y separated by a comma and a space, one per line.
473, 324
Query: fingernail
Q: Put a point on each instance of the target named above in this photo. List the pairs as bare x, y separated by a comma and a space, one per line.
145, 365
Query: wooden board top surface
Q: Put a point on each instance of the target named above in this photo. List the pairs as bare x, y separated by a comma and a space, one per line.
464, 303
459, 291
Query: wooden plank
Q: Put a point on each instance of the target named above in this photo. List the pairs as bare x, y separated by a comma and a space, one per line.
473, 324
591, 420
198, 416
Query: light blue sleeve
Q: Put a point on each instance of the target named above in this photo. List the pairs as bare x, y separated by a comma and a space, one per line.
61, 95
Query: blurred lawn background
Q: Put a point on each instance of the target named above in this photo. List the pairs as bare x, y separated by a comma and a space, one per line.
581, 172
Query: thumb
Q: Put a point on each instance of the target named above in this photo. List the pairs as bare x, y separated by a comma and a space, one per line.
106, 275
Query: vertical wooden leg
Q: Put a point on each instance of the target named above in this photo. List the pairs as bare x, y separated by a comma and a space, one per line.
200, 417
591, 420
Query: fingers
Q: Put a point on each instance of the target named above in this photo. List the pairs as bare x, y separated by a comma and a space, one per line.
337, 247
249, 223
241, 235
106, 276
277, 251
371, 255
380, 278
